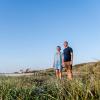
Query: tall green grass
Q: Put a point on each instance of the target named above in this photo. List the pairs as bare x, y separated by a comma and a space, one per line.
45, 86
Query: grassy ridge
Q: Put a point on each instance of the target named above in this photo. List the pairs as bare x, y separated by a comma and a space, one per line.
44, 85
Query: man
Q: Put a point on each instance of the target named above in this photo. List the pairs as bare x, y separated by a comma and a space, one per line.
68, 60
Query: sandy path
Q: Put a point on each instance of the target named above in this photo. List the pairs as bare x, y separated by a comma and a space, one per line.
29, 74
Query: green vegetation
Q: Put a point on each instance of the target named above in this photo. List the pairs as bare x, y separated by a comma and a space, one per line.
44, 85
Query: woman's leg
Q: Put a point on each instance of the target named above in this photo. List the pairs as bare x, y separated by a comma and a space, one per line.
57, 73
60, 74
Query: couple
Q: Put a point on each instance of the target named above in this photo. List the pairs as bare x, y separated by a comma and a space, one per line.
65, 60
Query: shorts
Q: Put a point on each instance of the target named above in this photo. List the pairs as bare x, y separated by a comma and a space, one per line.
68, 66
58, 68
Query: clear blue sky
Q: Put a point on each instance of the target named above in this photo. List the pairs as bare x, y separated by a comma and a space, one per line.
30, 30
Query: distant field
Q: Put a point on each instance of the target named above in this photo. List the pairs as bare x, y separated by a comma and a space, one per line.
13, 74
43, 85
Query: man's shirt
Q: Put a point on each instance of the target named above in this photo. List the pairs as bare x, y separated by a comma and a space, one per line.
67, 54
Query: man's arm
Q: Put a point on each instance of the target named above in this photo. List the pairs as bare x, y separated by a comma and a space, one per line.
71, 58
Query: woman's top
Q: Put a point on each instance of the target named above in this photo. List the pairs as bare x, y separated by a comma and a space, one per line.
58, 61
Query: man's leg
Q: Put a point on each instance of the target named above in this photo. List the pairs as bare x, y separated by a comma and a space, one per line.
69, 70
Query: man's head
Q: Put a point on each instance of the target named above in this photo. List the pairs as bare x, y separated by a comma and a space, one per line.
65, 44
58, 48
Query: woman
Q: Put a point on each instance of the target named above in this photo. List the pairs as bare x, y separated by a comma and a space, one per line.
58, 62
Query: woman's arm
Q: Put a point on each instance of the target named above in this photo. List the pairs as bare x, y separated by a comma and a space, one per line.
54, 62
63, 60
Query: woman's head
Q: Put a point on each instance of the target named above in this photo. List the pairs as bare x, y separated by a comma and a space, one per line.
58, 48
